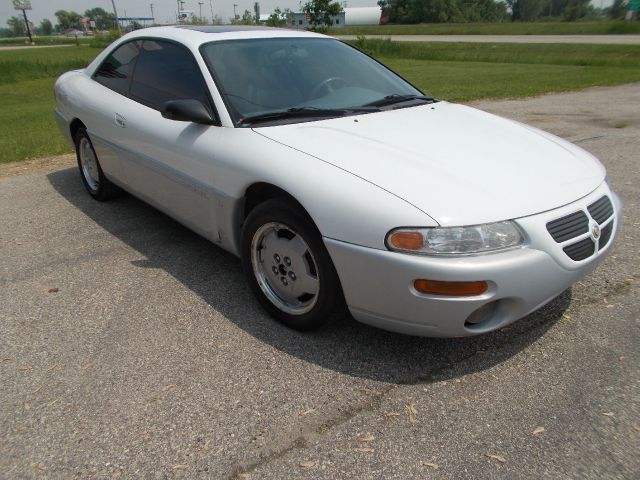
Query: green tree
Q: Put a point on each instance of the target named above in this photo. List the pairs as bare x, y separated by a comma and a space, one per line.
320, 13
527, 10
46, 27
68, 19
617, 11
104, 20
247, 19
576, 9
280, 18
16, 24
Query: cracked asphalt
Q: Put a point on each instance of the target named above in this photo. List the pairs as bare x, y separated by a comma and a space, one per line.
132, 348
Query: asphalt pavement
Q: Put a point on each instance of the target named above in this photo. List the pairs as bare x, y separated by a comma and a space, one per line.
132, 348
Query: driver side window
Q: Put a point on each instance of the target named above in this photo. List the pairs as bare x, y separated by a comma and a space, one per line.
166, 71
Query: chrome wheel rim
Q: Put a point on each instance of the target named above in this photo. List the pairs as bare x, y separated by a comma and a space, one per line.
285, 268
89, 164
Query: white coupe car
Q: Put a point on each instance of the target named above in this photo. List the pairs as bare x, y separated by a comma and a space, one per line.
336, 181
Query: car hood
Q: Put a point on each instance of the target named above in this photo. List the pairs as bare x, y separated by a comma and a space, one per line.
457, 164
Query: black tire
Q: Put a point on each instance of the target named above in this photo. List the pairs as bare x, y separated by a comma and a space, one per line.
329, 301
99, 187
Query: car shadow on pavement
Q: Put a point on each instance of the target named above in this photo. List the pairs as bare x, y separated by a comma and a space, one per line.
345, 346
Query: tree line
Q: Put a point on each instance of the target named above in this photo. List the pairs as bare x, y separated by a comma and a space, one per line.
67, 20
460, 11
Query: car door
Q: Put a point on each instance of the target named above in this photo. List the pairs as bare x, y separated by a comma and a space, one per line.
169, 163
107, 93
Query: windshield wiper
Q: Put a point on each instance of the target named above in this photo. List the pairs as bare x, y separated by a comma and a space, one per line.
299, 112
397, 98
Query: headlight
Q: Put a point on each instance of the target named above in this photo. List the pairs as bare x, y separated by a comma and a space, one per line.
455, 240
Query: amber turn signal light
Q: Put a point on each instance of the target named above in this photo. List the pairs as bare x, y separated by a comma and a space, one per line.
406, 240
451, 289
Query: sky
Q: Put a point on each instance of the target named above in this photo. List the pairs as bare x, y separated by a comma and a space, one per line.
165, 10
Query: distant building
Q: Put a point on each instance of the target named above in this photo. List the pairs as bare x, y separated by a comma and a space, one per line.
633, 9
301, 20
362, 16
350, 16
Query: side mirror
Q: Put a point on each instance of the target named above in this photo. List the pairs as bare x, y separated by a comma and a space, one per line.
187, 111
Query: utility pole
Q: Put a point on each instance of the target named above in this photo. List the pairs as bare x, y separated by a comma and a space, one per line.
24, 5
115, 12
200, 5
152, 15
211, 6
235, 15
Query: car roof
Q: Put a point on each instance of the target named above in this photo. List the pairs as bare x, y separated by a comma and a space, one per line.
196, 35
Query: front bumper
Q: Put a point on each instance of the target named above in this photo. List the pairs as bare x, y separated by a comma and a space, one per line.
378, 284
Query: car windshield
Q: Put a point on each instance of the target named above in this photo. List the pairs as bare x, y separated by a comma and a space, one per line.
258, 77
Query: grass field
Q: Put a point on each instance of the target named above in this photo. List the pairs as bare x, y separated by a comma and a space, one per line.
503, 28
451, 71
28, 127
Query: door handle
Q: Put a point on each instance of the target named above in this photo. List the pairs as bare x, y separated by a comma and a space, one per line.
120, 120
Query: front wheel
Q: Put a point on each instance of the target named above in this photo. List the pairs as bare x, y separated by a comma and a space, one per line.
288, 266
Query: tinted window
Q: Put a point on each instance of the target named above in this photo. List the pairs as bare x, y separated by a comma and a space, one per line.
166, 71
263, 75
115, 73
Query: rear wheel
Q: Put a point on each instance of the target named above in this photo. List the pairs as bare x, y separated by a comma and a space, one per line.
94, 180
288, 266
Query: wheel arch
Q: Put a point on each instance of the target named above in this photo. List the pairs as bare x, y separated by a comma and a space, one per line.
75, 125
255, 194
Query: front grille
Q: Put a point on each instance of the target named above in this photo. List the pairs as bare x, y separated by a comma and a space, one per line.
568, 227
581, 250
577, 224
605, 235
601, 210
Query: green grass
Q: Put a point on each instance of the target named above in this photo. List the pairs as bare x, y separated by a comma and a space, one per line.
27, 124
462, 81
528, 53
451, 71
504, 28
52, 40
29, 64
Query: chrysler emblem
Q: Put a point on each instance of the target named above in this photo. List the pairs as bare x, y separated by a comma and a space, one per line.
595, 231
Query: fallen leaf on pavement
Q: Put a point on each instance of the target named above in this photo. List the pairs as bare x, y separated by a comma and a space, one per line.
568, 317
38, 467
411, 413
244, 475
306, 412
307, 464
499, 458
367, 391
392, 415
430, 465
37, 389
367, 438
54, 290
621, 359
179, 466
608, 414
169, 387
538, 430
87, 366
364, 450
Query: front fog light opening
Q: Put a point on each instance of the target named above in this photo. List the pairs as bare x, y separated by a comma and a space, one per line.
482, 315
